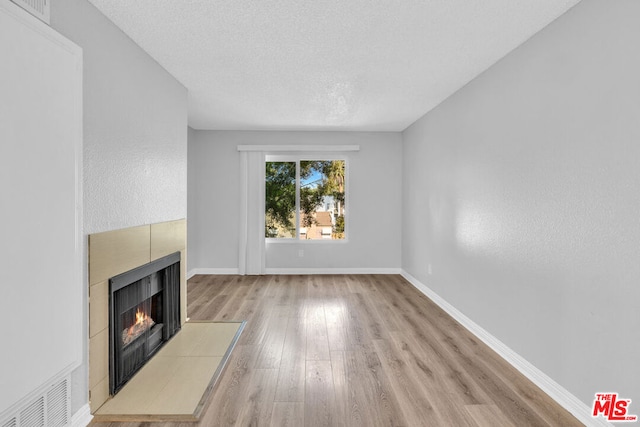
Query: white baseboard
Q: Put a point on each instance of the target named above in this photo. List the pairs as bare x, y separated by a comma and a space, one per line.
195, 271
82, 418
558, 393
283, 271
333, 271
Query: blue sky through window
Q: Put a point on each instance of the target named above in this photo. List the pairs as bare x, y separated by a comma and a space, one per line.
312, 180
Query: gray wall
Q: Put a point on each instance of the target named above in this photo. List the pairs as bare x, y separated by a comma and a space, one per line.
522, 192
40, 184
373, 211
135, 134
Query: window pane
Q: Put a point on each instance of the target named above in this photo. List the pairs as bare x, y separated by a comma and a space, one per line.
280, 200
322, 201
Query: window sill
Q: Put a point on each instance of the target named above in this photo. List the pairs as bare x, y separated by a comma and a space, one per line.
305, 241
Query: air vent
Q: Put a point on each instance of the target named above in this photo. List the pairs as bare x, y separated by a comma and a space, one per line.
33, 415
48, 408
13, 422
38, 8
57, 405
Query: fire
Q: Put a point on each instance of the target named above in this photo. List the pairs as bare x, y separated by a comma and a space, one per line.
140, 317
143, 322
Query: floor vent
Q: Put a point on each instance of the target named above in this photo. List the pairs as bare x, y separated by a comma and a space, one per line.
33, 415
38, 8
11, 423
50, 408
58, 405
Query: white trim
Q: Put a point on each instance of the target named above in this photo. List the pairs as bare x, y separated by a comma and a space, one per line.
304, 271
227, 271
558, 393
299, 148
333, 271
292, 240
82, 418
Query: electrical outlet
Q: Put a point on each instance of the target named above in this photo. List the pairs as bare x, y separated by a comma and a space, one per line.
300, 253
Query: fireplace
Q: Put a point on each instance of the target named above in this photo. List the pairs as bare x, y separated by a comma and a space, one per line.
144, 313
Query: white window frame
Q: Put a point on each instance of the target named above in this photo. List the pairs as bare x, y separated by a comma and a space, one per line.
311, 156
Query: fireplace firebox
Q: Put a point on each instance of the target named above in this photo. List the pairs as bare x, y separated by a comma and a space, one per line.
144, 313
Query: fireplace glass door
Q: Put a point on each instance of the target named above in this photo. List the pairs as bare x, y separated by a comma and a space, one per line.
144, 313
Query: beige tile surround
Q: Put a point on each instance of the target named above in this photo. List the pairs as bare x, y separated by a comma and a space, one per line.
176, 382
112, 253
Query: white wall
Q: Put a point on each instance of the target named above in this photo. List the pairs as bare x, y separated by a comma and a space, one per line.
135, 134
41, 199
522, 191
374, 202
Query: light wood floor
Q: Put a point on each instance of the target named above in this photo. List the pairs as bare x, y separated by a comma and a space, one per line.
355, 350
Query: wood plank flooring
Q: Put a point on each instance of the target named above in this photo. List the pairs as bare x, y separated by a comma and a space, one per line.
355, 350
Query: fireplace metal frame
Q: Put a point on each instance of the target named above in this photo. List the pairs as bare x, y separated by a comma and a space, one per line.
125, 279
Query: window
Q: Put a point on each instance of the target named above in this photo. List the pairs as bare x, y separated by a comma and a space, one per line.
305, 199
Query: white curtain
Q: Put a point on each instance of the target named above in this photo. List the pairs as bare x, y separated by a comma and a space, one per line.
252, 246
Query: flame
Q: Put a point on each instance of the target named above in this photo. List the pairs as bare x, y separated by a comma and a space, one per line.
142, 320
140, 317
142, 324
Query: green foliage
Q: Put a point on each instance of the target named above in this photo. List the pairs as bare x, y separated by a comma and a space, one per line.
310, 199
339, 227
280, 200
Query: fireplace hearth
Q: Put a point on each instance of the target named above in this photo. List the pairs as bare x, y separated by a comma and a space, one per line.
144, 313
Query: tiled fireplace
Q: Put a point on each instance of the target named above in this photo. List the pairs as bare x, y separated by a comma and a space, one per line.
145, 269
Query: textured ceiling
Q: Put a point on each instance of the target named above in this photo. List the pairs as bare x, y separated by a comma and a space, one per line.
325, 64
